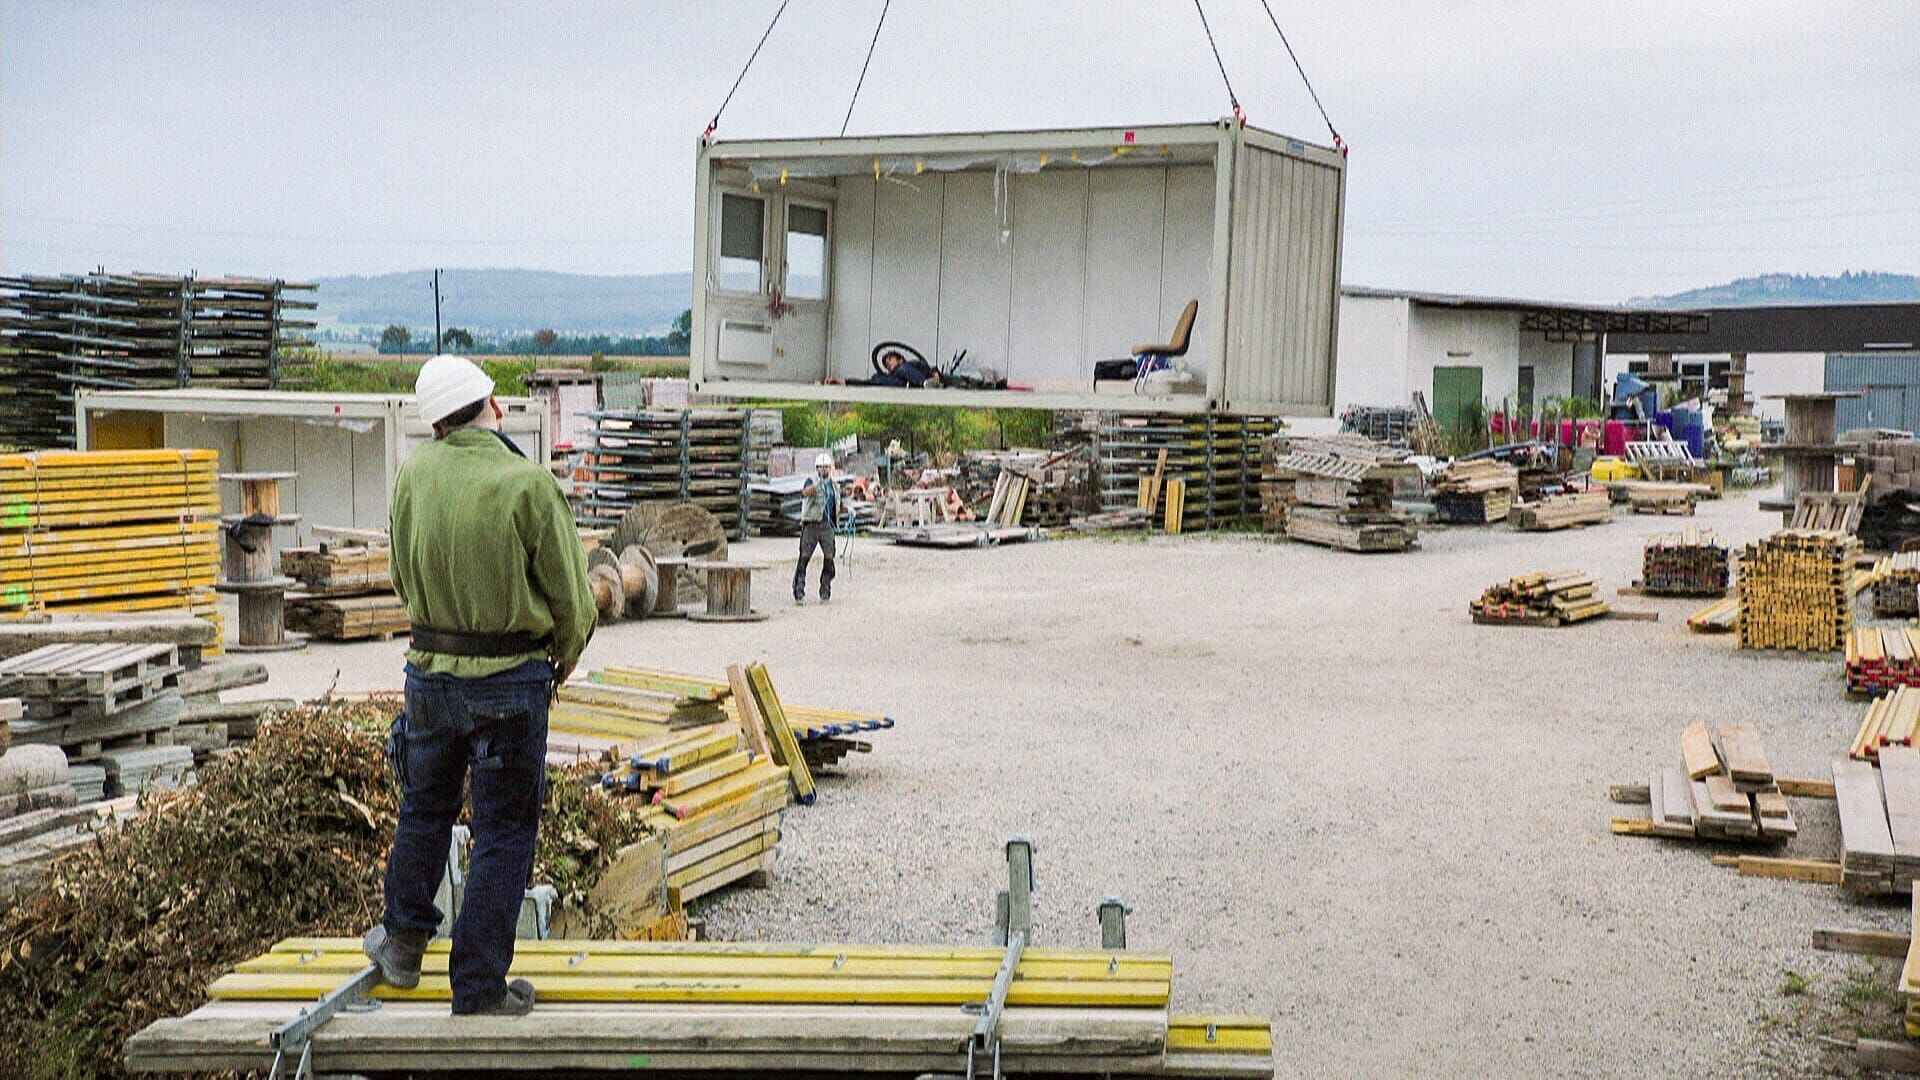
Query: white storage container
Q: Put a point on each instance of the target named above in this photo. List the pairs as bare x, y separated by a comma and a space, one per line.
346, 448
1039, 253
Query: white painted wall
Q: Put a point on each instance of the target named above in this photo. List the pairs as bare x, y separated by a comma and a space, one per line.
1093, 262
1373, 352
1451, 337
1767, 373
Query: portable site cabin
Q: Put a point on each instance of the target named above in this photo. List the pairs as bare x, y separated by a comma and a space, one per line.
1039, 253
345, 448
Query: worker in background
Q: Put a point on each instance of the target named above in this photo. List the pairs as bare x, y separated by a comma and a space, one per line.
819, 513
486, 558
901, 371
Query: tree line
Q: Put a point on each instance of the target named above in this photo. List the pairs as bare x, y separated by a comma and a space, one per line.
398, 340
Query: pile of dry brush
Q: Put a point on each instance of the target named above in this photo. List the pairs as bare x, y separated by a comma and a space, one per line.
286, 838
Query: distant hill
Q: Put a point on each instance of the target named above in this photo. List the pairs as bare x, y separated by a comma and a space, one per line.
507, 301
1847, 288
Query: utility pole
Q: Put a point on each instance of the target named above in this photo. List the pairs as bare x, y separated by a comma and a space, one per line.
437, 340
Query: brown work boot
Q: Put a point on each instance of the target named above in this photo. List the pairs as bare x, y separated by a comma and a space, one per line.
516, 1000
397, 955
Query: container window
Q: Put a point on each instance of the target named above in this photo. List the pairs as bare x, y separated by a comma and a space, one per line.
806, 252
743, 242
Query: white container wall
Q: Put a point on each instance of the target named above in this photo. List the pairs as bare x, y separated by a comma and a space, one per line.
346, 448
1037, 254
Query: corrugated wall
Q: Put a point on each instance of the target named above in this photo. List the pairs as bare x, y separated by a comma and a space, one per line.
1890, 385
1284, 267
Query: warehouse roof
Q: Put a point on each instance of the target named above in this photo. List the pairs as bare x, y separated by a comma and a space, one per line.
1553, 316
1776, 328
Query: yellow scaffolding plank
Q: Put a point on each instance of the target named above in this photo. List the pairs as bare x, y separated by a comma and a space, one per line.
1088, 967
600, 947
1218, 1034
247, 986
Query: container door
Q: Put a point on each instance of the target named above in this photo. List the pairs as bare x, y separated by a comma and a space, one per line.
737, 302
1456, 396
800, 333
1886, 407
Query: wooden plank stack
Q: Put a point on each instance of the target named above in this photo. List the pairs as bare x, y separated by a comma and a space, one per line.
137, 331
1276, 484
1896, 586
1718, 617
725, 1009
1722, 789
1476, 492
1552, 598
1892, 720
346, 592
1690, 563
1216, 456
1882, 658
1879, 820
1344, 500
1796, 591
113, 530
667, 455
1575, 509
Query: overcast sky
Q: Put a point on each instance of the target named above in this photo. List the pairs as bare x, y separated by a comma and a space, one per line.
1574, 150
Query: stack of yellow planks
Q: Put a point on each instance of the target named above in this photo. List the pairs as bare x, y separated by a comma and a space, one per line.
1718, 617
725, 1009
1892, 720
1796, 591
111, 530
823, 734
1880, 658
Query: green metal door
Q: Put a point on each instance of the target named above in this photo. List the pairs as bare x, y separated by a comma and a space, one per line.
1456, 395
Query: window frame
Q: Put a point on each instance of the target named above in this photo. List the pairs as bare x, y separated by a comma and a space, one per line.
788, 202
718, 240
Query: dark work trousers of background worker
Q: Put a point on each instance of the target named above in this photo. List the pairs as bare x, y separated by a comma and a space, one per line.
495, 727
814, 534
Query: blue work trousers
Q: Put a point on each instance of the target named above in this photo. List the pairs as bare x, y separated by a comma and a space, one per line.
494, 729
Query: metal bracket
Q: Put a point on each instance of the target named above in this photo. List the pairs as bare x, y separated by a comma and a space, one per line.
1013, 927
295, 1037
1113, 923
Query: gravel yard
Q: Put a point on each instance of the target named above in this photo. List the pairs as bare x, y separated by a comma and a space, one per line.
1335, 800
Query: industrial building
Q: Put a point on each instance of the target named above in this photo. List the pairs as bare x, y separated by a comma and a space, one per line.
1794, 349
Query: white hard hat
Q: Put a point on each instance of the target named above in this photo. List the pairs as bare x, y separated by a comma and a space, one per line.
825, 459
447, 384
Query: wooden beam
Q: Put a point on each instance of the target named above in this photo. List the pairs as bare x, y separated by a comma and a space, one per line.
1818, 871
1861, 942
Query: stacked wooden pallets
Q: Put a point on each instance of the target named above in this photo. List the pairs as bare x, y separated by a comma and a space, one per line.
346, 591
1896, 586
1475, 492
726, 1009
1690, 563
1796, 591
1723, 789
140, 332
1552, 598
1216, 458
640, 456
1345, 501
116, 530
1571, 510
99, 702
1879, 820
1276, 484
1882, 658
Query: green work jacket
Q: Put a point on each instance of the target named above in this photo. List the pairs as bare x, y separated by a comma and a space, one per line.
483, 541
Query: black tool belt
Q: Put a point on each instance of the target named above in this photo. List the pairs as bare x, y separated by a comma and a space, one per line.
480, 643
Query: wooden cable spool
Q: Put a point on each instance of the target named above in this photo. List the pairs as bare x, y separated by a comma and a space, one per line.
674, 530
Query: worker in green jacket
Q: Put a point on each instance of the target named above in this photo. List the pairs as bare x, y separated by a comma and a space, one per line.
488, 561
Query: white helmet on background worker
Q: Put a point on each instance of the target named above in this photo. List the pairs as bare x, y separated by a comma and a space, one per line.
447, 384
824, 461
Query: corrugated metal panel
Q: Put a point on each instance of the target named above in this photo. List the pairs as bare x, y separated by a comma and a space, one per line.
1891, 381
1284, 270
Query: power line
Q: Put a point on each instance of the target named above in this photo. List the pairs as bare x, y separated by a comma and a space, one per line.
862, 81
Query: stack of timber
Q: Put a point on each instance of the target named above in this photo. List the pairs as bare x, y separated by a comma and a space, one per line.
698, 456
1276, 484
1722, 789
1216, 457
1882, 658
111, 530
1056, 488
89, 699
1575, 509
726, 1009
1796, 591
137, 332
1896, 586
825, 735
1690, 563
1475, 492
1553, 598
1345, 501
1891, 720
345, 592
1719, 617
1879, 820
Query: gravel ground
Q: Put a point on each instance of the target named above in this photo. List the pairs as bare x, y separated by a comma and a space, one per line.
1335, 800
